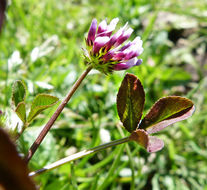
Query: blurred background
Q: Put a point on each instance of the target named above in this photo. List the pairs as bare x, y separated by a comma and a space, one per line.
41, 42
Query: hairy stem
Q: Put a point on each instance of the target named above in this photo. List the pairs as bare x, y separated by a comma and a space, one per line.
51, 121
79, 155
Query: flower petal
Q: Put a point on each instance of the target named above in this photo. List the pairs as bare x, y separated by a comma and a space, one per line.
102, 27
131, 63
116, 36
125, 46
132, 51
99, 43
119, 56
155, 144
92, 32
137, 41
111, 27
125, 35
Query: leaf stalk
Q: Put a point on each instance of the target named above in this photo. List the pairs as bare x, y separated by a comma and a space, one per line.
79, 155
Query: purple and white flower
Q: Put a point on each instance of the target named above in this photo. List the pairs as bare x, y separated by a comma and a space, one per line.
107, 52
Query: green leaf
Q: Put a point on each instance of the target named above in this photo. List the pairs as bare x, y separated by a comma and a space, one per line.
13, 170
18, 92
167, 111
21, 111
40, 103
130, 102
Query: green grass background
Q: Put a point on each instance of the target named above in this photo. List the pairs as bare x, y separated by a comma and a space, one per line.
174, 63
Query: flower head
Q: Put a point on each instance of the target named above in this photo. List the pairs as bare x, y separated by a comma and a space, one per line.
106, 52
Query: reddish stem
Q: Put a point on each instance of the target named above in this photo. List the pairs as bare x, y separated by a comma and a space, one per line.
51, 121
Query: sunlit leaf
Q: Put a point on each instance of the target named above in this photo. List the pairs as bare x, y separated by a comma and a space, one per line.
167, 111
21, 111
18, 92
40, 103
130, 102
13, 170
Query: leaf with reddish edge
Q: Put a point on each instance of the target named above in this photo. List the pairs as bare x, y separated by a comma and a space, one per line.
141, 137
150, 143
130, 102
167, 111
13, 170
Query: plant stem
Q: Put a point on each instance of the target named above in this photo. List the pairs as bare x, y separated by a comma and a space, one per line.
20, 133
51, 121
79, 155
131, 160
